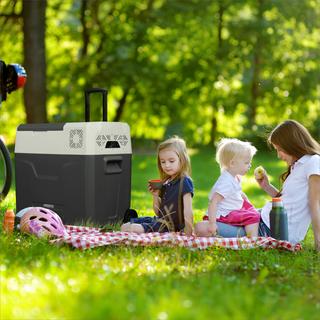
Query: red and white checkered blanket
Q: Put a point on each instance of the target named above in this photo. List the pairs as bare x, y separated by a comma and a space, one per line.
88, 237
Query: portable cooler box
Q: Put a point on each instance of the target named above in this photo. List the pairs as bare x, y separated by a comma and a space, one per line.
82, 171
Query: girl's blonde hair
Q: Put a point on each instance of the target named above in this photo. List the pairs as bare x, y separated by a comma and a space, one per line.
228, 149
177, 145
294, 139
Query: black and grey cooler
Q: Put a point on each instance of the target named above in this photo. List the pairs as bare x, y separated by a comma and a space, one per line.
82, 171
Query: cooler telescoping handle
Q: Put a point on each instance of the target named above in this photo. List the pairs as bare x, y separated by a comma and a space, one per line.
104, 93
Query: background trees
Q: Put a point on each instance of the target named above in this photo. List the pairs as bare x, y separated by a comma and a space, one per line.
200, 68
35, 94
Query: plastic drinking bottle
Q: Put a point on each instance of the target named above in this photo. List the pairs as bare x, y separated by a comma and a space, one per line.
8, 221
278, 220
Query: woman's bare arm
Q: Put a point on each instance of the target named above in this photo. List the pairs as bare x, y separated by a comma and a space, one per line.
314, 204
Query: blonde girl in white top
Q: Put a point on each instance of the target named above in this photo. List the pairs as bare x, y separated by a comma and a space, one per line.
227, 202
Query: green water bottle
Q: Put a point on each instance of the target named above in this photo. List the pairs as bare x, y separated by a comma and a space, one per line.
278, 220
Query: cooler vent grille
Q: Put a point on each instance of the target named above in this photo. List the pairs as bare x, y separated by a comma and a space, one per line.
76, 139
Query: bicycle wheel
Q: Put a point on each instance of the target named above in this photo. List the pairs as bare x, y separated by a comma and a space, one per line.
5, 170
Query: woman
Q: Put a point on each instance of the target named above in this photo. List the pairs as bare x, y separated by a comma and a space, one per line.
301, 183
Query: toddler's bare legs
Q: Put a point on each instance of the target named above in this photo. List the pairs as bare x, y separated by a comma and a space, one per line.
132, 227
201, 229
252, 229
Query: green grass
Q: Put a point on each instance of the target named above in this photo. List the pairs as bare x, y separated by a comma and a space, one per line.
42, 281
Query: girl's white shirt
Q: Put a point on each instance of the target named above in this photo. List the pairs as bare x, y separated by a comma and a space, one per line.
229, 187
295, 198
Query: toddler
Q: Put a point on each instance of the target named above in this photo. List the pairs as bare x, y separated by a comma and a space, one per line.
227, 202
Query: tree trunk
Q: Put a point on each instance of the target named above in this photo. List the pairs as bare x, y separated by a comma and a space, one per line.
35, 93
255, 91
85, 31
122, 103
214, 124
256, 66
218, 57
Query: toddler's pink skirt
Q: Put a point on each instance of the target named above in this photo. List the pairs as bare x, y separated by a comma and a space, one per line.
243, 217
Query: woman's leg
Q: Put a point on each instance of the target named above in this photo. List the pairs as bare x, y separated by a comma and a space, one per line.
264, 230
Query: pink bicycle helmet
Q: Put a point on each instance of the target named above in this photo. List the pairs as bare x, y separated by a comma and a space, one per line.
42, 222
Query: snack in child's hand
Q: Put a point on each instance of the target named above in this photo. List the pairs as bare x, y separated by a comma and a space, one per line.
155, 184
259, 172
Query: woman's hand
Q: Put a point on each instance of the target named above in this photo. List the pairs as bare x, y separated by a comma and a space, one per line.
265, 185
263, 182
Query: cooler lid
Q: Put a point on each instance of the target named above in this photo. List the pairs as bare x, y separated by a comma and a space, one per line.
74, 138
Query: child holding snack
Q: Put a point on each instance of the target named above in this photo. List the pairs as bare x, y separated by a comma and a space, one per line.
172, 203
227, 203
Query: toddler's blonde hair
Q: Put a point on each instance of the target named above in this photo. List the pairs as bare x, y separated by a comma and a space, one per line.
228, 149
177, 145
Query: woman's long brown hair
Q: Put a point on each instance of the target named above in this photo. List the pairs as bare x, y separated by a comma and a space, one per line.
294, 139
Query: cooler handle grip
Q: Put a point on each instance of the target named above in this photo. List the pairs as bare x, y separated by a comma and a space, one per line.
112, 164
104, 93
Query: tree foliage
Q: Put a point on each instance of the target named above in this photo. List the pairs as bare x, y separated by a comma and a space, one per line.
199, 68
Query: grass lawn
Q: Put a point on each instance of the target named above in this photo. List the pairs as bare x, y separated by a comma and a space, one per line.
41, 281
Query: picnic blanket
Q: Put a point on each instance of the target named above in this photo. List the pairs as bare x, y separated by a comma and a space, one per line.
87, 237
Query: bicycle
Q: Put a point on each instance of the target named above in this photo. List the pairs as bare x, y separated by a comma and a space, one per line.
12, 77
